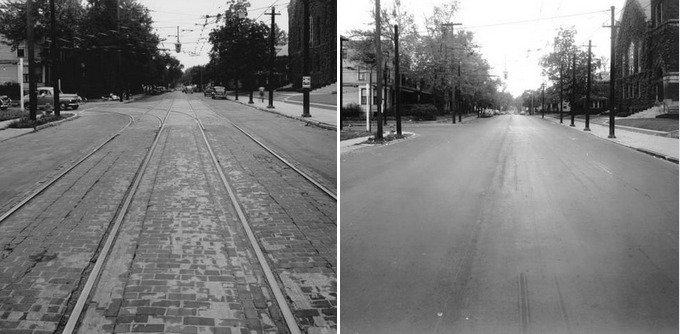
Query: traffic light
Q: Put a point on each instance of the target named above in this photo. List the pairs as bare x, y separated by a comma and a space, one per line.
178, 47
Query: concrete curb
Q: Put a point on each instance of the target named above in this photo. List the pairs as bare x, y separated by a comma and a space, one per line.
299, 103
643, 131
350, 145
655, 154
308, 121
639, 149
51, 124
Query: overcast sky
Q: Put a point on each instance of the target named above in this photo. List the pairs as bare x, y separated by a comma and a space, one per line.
189, 15
505, 42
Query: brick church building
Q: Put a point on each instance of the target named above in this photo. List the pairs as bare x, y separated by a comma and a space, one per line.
322, 41
647, 56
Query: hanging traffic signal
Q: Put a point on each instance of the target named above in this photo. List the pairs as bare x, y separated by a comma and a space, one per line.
178, 47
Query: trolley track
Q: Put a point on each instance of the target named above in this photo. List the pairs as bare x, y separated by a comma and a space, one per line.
72, 316
305, 175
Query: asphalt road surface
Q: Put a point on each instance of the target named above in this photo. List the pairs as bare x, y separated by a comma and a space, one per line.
508, 225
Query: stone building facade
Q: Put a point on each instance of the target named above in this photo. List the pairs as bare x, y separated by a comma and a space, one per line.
647, 56
322, 41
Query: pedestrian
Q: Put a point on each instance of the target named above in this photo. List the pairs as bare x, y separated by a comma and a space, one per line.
261, 94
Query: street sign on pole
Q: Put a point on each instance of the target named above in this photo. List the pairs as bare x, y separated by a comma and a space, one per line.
307, 82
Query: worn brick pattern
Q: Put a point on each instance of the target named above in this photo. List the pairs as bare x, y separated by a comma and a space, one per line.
48, 247
181, 262
295, 223
192, 269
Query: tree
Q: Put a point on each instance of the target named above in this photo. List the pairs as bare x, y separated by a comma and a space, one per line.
240, 48
96, 39
13, 20
562, 57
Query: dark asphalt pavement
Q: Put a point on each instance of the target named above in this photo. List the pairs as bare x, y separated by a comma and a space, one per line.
504, 225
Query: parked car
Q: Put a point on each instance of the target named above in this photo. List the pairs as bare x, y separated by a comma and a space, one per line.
5, 102
208, 91
219, 92
487, 113
46, 95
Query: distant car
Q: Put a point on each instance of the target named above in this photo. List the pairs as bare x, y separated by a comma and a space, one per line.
487, 113
522, 113
5, 102
208, 91
219, 92
46, 96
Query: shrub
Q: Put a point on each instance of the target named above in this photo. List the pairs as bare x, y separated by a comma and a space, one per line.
12, 114
421, 112
351, 110
26, 122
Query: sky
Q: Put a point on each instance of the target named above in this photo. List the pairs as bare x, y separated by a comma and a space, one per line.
512, 35
190, 15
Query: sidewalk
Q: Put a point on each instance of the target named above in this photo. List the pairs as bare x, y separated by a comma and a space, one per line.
321, 117
662, 147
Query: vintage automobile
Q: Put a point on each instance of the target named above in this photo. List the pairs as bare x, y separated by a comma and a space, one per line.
46, 96
219, 92
208, 91
5, 102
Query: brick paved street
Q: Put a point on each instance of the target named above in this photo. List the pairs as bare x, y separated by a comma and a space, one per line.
181, 262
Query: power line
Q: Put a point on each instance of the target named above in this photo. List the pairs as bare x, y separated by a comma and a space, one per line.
530, 21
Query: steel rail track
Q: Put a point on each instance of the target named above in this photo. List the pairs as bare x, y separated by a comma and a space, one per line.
77, 311
307, 177
84, 296
269, 274
31, 195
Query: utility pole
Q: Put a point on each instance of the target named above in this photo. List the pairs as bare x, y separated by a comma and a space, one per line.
342, 40
612, 83
397, 80
32, 86
272, 51
543, 100
386, 77
453, 114
573, 89
55, 62
370, 100
305, 60
588, 90
459, 107
561, 89
378, 55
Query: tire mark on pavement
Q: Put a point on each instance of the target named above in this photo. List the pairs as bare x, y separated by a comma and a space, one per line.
523, 306
563, 308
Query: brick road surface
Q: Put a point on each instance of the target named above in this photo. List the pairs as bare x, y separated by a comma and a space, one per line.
295, 223
47, 248
181, 262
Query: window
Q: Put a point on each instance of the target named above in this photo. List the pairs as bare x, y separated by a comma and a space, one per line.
639, 89
638, 61
363, 96
361, 76
659, 14
631, 58
20, 53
